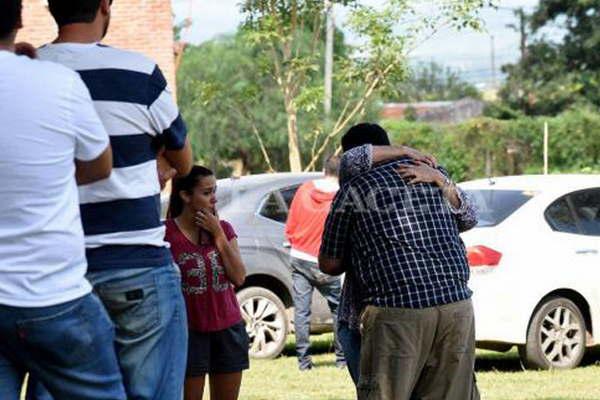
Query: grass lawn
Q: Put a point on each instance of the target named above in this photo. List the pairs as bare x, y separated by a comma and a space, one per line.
500, 377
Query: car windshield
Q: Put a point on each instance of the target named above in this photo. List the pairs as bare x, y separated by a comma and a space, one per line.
494, 206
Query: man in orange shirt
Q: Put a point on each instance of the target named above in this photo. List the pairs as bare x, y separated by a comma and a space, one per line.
304, 229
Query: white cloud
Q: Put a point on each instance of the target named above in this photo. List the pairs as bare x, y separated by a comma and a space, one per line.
210, 17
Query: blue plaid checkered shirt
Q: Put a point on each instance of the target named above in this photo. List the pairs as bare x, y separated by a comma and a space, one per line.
404, 240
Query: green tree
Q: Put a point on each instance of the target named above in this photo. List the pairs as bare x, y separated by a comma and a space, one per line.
243, 97
278, 29
233, 107
484, 147
553, 76
227, 102
432, 82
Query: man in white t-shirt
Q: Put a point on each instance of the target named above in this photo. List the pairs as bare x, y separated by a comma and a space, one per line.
51, 326
129, 262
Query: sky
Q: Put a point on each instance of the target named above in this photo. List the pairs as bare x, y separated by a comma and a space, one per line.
469, 53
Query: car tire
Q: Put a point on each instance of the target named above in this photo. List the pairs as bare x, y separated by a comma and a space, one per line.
266, 321
556, 336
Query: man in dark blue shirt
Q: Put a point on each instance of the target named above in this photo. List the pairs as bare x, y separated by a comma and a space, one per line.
411, 266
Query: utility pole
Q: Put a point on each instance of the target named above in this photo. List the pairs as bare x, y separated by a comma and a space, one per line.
493, 61
330, 28
523, 31
521, 28
546, 137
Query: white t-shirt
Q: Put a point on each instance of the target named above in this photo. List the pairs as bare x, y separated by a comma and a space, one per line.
47, 120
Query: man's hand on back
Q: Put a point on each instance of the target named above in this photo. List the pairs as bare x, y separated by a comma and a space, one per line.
386, 153
419, 156
421, 172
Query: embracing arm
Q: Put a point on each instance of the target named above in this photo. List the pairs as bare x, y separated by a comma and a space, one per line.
360, 159
463, 208
460, 203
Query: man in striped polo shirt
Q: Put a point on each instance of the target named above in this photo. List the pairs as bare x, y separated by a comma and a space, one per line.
129, 263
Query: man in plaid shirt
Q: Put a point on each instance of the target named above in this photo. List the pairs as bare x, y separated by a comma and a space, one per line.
412, 269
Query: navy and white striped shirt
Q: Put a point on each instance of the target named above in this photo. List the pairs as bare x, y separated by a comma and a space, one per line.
121, 214
406, 251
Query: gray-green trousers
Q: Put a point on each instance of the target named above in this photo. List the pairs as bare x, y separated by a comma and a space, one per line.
418, 354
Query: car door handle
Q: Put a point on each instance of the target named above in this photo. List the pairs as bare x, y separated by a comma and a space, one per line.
587, 251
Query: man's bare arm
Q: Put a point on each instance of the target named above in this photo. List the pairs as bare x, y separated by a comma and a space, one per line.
181, 160
87, 172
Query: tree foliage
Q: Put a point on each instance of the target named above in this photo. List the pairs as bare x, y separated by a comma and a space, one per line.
277, 29
432, 82
553, 76
228, 105
233, 108
256, 97
514, 146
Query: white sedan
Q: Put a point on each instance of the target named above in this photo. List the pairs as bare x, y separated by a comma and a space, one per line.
535, 266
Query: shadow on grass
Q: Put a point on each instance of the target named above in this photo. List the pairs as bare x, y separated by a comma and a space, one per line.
319, 344
324, 363
502, 362
511, 362
486, 360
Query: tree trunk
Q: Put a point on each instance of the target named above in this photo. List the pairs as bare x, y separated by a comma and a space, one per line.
293, 144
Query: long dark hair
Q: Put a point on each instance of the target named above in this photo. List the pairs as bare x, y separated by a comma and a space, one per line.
186, 183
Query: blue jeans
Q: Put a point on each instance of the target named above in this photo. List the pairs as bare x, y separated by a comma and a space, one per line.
305, 278
350, 341
147, 308
69, 347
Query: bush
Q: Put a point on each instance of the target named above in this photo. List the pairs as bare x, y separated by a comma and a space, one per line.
497, 147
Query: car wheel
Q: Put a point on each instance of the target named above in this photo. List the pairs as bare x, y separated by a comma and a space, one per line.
556, 336
266, 321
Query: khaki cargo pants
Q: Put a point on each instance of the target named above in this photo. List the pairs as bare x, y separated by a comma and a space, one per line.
418, 354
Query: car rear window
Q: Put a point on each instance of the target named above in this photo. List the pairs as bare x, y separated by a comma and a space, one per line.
494, 206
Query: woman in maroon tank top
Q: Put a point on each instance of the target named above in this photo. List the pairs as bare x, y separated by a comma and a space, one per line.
206, 250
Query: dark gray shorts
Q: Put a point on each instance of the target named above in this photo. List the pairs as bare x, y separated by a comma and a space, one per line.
218, 352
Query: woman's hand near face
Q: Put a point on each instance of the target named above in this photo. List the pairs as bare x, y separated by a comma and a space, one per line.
208, 221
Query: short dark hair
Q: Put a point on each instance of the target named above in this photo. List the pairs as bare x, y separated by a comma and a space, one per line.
10, 16
67, 12
365, 133
332, 166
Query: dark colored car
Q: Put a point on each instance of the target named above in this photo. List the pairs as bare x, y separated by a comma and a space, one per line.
257, 207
